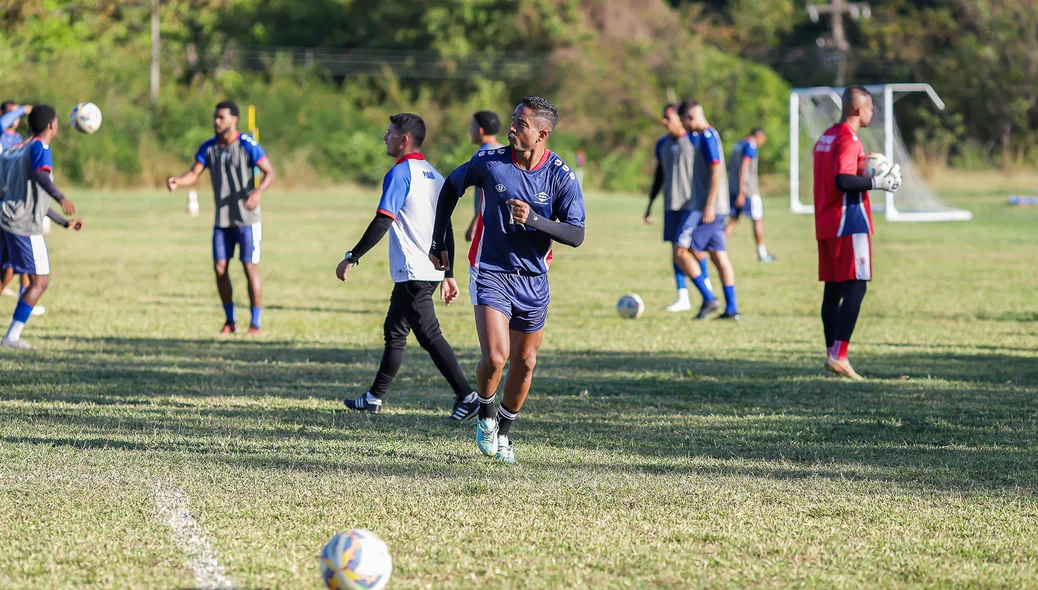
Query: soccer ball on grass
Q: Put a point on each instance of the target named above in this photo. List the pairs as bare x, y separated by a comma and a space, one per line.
356, 560
630, 306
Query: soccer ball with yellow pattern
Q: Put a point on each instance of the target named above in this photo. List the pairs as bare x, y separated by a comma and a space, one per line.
357, 560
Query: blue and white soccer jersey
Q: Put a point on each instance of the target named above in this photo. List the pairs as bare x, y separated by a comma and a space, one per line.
247, 239
231, 172
22, 245
753, 206
708, 237
512, 260
410, 191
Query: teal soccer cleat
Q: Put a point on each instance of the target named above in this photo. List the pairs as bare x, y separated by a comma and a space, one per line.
486, 436
505, 450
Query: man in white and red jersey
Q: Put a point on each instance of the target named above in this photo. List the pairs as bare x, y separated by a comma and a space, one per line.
843, 224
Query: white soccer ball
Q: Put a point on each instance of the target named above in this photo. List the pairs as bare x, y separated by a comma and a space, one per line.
357, 560
85, 117
876, 164
630, 306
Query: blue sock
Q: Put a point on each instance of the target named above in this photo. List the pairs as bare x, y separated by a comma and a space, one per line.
679, 277
228, 310
22, 312
703, 264
257, 316
700, 283
729, 300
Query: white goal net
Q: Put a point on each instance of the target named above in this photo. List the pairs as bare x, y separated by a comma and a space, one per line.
813, 110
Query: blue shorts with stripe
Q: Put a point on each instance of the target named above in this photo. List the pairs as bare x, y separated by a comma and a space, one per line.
522, 299
708, 237
246, 237
677, 227
26, 255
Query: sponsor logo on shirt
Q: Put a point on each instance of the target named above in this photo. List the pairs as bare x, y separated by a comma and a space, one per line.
481, 154
501, 188
501, 151
541, 198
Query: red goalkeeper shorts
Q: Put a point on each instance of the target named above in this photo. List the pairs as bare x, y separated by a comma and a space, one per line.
845, 259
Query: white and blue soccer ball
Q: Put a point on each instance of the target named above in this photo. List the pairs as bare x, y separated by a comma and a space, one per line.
85, 117
630, 306
356, 560
876, 165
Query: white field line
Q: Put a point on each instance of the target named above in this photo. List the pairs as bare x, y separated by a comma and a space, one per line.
190, 537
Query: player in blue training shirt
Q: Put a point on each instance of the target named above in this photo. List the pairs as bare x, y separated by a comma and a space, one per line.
710, 205
10, 116
230, 157
530, 198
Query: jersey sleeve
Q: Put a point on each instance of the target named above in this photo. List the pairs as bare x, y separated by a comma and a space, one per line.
569, 203
711, 147
465, 175
659, 147
749, 151
202, 155
848, 152
41, 157
252, 149
7, 119
395, 187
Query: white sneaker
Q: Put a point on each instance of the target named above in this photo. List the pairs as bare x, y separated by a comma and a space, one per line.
10, 292
679, 305
38, 310
17, 344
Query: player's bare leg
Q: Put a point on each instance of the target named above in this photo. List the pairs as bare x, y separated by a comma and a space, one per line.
252, 275
728, 229
5, 278
37, 285
687, 260
758, 234
521, 363
223, 285
681, 258
492, 330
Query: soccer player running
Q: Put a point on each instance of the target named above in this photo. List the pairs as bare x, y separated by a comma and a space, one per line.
483, 132
531, 197
710, 206
843, 225
230, 157
675, 160
409, 193
745, 189
28, 188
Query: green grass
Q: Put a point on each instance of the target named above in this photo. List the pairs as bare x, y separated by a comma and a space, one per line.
657, 452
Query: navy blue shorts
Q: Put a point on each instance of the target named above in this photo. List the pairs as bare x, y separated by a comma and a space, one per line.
523, 299
247, 237
27, 255
708, 237
677, 228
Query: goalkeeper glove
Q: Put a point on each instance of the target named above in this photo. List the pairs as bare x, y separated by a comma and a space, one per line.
890, 182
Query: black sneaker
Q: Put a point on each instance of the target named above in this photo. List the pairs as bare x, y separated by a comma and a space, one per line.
463, 411
728, 316
361, 404
708, 308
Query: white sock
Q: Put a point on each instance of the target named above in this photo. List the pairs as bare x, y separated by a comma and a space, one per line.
683, 295
15, 331
372, 399
762, 251
470, 398
709, 285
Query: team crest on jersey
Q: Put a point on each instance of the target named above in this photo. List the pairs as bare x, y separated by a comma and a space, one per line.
541, 198
501, 188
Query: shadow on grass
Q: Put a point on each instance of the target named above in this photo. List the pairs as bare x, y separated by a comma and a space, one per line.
973, 426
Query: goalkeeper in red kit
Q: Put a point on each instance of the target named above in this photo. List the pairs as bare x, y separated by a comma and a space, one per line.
843, 225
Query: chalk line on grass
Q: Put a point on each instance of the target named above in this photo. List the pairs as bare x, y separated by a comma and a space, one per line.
189, 536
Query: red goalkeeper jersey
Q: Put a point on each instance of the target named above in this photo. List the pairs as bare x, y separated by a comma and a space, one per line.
837, 213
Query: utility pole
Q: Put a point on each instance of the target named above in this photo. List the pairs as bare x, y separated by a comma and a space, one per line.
154, 52
836, 9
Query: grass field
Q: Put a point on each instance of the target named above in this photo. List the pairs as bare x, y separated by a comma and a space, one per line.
653, 453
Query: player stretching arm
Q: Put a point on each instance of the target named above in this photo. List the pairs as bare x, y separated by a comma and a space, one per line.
231, 156
843, 225
409, 193
531, 198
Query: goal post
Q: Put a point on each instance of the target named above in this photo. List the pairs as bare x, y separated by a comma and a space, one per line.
813, 110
